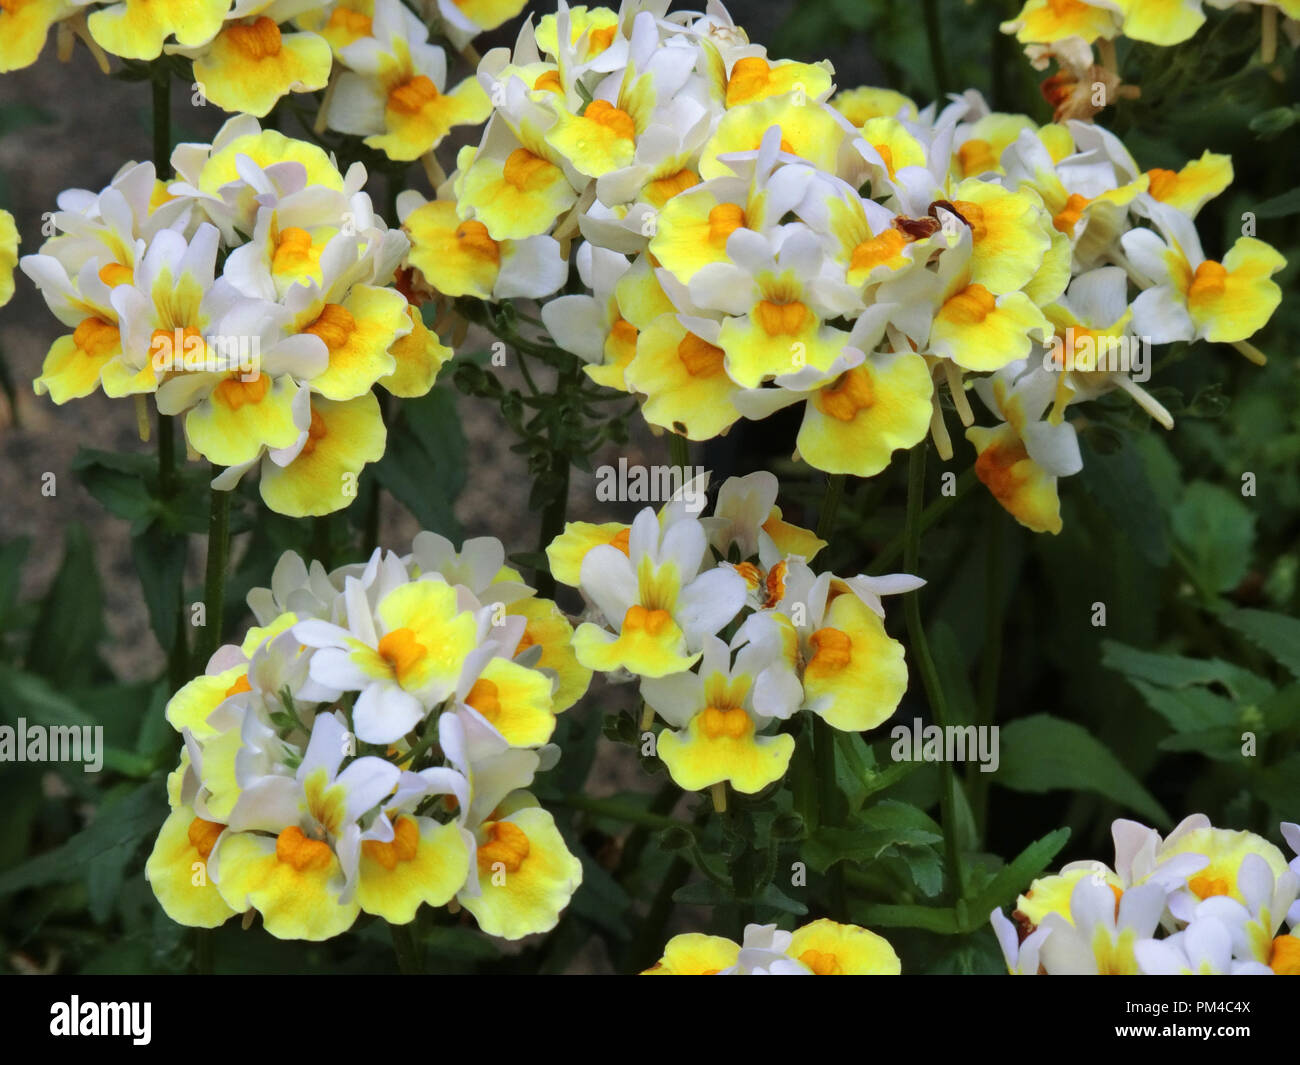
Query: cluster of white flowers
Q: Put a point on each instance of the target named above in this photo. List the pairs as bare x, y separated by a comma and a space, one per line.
752, 241
659, 591
251, 296
368, 748
1202, 901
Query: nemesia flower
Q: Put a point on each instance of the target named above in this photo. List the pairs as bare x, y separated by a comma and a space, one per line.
394, 91
8, 256
278, 806
251, 63
820, 948
136, 29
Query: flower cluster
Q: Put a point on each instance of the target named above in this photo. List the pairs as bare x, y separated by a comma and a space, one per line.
751, 242
1202, 901
386, 80
1162, 22
661, 590
368, 747
819, 948
253, 296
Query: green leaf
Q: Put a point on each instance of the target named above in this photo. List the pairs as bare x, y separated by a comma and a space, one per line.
1176, 671
930, 918
1044, 753
1012, 879
1276, 634
71, 622
888, 823
424, 461
1279, 206
1216, 531
160, 563
34, 698
120, 823
1118, 481
1188, 710
13, 553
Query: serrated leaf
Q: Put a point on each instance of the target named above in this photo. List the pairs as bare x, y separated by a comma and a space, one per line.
1177, 671
1276, 634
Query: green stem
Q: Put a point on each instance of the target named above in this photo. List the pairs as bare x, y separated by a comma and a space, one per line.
830, 505
321, 540
178, 664
408, 955
991, 660
929, 674
828, 803
892, 551
162, 121
679, 452
935, 39
214, 577
619, 811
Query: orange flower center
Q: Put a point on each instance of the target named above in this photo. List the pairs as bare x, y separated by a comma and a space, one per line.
506, 843
652, 622
1162, 183
485, 697
1203, 886
114, 274
353, 23
659, 191
300, 851
1068, 217
832, 650
292, 249
749, 77
850, 393
95, 337
700, 358
315, 431
527, 172
621, 539
781, 319
335, 325
821, 963
976, 157
1284, 959
731, 722
411, 96
548, 82
257, 40
618, 122
970, 306
203, 835
725, 219
882, 249
240, 685
402, 847
401, 650
473, 239
1209, 281
235, 392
